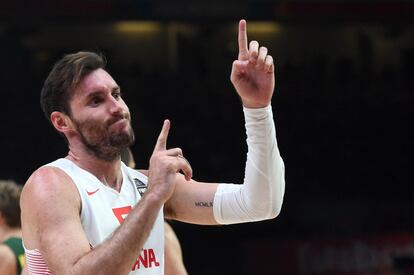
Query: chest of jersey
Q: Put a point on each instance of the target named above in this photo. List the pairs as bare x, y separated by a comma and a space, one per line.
104, 209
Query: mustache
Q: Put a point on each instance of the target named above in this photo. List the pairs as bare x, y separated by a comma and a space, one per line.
117, 118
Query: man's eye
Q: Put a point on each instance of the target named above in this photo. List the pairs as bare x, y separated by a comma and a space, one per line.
117, 95
95, 101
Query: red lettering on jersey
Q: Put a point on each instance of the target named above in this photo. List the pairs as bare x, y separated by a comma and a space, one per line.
122, 212
144, 260
147, 259
136, 265
152, 258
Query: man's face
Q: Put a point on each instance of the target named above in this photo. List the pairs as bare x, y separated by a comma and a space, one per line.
100, 116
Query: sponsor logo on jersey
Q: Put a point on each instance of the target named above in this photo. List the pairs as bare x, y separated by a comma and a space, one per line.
141, 187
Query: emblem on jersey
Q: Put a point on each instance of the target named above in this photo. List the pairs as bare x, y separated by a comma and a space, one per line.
141, 187
90, 193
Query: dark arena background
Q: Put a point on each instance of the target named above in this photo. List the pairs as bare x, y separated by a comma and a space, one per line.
343, 108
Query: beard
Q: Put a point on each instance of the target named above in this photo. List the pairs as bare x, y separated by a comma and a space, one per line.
101, 141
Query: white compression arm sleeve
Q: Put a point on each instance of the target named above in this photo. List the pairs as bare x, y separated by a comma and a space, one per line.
260, 197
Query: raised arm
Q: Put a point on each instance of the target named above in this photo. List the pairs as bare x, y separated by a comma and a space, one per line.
261, 194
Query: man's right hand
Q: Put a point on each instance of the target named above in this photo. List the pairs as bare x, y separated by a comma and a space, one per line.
164, 165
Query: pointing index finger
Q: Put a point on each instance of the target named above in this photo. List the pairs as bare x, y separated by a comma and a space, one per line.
162, 138
243, 50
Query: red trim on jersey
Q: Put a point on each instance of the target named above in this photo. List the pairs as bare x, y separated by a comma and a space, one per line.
36, 265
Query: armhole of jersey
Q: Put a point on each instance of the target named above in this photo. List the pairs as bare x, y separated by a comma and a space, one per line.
64, 170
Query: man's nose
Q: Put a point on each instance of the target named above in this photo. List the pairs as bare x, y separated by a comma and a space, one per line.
115, 106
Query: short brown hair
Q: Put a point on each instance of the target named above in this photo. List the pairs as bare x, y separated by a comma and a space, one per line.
63, 78
10, 202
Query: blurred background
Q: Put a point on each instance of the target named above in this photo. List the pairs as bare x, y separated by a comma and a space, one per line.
342, 106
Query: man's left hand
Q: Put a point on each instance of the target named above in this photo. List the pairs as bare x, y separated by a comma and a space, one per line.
253, 72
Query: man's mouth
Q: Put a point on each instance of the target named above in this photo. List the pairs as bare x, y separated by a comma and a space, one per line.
120, 121
117, 120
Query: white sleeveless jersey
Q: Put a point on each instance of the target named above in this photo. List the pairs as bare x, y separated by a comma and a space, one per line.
104, 209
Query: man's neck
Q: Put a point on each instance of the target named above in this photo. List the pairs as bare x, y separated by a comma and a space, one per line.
108, 172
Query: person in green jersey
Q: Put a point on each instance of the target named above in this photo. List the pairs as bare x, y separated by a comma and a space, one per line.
11, 248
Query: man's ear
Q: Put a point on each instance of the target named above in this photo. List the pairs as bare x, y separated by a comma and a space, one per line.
61, 122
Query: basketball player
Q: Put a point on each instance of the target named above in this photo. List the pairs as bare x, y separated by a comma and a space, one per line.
11, 249
88, 213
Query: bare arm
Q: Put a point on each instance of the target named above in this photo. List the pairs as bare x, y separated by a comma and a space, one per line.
7, 261
192, 202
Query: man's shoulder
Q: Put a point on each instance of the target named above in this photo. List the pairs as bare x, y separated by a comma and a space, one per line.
46, 172
7, 260
6, 254
46, 175
48, 181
